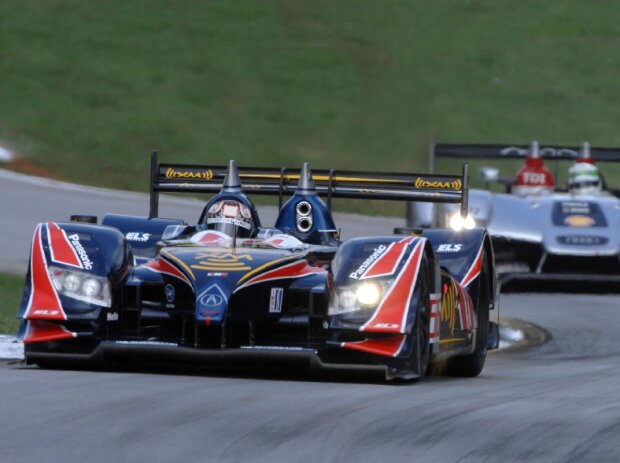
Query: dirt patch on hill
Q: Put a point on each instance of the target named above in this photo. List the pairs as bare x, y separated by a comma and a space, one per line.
28, 167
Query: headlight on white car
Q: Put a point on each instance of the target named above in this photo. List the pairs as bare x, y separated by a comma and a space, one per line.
82, 286
362, 297
458, 223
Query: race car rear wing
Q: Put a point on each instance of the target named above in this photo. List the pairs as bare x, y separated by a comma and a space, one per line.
332, 183
483, 151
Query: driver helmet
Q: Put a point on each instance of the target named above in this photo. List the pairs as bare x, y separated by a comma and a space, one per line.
231, 217
584, 178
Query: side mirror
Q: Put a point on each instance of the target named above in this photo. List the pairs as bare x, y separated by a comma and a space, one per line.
489, 174
321, 255
83, 218
173, 232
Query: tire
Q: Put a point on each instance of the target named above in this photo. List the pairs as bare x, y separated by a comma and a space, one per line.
419, 359
471, 365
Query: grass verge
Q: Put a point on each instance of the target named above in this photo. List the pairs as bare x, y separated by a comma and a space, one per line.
11, 288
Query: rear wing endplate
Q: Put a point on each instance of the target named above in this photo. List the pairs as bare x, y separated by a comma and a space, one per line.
333, 183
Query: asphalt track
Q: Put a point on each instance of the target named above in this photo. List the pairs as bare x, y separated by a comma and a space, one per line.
559, 401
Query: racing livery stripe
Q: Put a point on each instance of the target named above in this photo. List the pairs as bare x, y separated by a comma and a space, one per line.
435, 302
172, 258
389, 347
466, 309
44, 302
297, 269
474, 270
264, 266
162, 266
387, 263
61, 250
391, 314
43, 331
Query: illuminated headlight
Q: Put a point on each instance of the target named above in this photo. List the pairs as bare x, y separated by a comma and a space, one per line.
458, 223
82, 286
368, 294
364, 296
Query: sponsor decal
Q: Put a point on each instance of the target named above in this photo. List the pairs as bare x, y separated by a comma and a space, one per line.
217, 274
46, 312
189, 173
578, 214
582, 240
534, 178
275, 300
227, 220
222, 261
170, 293
579, 221
138, 236
450, 247
377, 252
449, 304
387, 326
60, 248
212, 300
422, 183
112, 316
388, 262
213, 296
574, 207
75, 241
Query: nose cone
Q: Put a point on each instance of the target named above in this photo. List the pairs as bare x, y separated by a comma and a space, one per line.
232, 182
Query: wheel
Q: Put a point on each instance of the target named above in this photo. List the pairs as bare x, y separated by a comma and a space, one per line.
472, 364
421, 353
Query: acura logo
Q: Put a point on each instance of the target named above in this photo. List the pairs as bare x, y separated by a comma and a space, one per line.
213, 296
211, 300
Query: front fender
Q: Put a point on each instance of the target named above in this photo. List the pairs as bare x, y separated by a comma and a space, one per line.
83, 249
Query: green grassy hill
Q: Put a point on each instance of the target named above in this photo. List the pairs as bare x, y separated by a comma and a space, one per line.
89, 88
11, 288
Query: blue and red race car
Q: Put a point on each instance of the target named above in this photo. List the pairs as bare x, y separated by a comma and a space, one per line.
227, 291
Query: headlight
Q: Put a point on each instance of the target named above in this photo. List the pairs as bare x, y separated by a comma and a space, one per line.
364, 296
458, 223
368, 294
82, 286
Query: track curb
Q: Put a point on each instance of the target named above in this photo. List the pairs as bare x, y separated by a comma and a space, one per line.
533, 335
